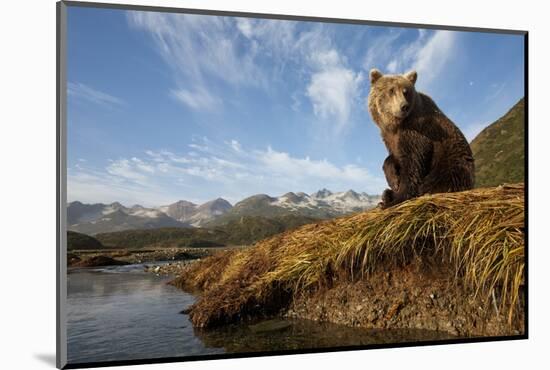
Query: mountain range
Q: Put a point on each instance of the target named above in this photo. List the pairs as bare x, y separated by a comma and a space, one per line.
321, 204
97, 218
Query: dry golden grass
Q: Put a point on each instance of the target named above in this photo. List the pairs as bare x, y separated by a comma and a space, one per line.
479, 233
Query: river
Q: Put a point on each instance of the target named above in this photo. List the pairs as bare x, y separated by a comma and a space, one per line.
123, 313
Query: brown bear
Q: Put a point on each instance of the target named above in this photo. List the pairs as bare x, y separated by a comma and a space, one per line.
427, 152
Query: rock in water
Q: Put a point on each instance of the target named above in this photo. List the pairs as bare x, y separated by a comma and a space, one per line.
270, 325
185, 311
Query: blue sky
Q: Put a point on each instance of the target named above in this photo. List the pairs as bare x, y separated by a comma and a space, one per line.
163, 107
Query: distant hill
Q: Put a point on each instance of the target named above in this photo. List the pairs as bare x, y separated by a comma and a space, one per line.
163, 238
249, 229
82, 241
499, 150
238, 231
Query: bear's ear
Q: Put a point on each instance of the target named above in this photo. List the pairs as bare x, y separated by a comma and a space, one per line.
411, 76
374, 75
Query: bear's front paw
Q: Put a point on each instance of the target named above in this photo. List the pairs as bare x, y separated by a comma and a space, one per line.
387, 199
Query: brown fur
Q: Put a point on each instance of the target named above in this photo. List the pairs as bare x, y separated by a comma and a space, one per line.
427, 152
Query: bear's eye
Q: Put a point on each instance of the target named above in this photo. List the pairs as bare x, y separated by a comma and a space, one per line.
392, 91
405, 92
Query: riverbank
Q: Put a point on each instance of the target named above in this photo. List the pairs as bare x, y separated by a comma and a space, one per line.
168, 269
105, 257
451, 262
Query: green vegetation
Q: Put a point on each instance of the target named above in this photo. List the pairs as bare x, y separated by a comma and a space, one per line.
499, 150
479, 234
162, 238
249, 229
95, 261
236, 231
78, 241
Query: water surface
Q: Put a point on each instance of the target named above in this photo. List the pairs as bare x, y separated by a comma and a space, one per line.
123, 313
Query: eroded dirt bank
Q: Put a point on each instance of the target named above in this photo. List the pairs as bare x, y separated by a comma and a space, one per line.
408, 298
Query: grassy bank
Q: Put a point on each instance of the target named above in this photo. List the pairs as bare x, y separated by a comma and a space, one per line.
475, 237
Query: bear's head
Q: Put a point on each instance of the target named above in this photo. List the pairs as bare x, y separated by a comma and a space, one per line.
391, 98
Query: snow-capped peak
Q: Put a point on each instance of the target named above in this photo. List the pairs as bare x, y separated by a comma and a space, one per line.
321, 194
341, 202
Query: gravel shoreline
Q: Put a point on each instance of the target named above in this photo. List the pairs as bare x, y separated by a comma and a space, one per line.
179, 256
171, 268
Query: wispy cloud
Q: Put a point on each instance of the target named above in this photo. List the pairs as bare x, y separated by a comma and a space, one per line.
495, 90
328, 84
98, 186
198, 48
133, 170
380, 49
429, 53
245, 26
209, 168
333, 92
206, 51
430, 59
333, 87
282, 164
274, 39
81, 91
405, 55
199, 99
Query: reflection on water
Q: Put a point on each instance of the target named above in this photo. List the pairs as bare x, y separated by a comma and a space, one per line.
306, 334
122, 313
124, 316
